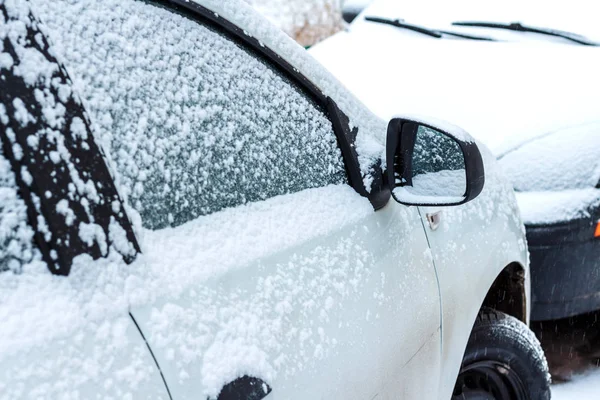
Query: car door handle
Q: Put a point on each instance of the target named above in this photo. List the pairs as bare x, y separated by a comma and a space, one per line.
434, 219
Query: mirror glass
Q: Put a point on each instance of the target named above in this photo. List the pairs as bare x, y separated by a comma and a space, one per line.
433, 168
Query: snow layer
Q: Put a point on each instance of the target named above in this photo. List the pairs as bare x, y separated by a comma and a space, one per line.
83, 314
546, 207
566, 159
583, 387
237, 237
17, 249
554, 14
444, 186
239, 276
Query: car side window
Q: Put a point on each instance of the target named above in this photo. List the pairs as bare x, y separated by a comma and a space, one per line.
17, 246
193, 121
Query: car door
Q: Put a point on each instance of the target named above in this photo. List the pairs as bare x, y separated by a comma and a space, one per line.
266, 263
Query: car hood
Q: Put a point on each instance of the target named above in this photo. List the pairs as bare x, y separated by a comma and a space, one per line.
547, 208
439, 14
503, 94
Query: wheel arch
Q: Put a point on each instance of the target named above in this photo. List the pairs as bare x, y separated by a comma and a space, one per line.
508, 292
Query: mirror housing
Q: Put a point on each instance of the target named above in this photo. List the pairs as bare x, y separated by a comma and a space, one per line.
432, 164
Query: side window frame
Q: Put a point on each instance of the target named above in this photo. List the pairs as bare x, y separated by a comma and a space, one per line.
379, 194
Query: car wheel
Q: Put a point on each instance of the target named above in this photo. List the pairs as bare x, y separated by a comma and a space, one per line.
503, 361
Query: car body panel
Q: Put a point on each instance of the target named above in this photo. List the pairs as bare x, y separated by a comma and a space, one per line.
564, 268
110, 360
339, 316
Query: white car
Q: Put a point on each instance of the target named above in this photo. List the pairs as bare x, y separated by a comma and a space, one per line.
193, 208
532, 104
536, 21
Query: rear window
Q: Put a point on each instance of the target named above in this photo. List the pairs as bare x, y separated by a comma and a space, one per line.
16, 236
566, 159
193, 122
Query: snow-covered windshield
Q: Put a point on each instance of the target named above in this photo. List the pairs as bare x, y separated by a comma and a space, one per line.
566, 159
192, 121
16, 236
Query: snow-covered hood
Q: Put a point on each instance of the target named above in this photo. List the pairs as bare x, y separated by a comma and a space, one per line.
550, 207
438, 14
501, 93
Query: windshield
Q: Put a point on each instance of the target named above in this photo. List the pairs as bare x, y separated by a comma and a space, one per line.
565, 159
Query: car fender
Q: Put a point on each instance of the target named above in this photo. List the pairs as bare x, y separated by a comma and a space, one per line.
472, 246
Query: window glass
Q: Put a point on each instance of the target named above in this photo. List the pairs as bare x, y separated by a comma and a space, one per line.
193, 122
16, 236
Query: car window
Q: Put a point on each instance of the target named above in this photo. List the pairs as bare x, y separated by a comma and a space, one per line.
16, 236
192, 121
566, 159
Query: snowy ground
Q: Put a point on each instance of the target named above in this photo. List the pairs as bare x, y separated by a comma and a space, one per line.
583, 387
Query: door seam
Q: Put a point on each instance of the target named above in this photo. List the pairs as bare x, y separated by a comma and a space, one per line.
152, 354
437, 278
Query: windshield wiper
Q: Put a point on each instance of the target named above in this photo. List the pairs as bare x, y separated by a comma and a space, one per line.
518, 27
435, 33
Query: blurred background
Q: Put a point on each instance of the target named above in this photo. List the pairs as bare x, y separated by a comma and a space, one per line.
310, 21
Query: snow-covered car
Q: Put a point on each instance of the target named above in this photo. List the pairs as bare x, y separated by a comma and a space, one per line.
511, 21
193, 207
557, 179
520, 99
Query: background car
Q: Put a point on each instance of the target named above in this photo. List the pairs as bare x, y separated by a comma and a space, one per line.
531, 21
196, 208
556, 177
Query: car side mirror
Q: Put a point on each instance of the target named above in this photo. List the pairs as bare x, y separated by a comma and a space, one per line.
432, 166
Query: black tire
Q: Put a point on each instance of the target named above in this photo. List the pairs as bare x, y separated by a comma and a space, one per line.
503, 361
